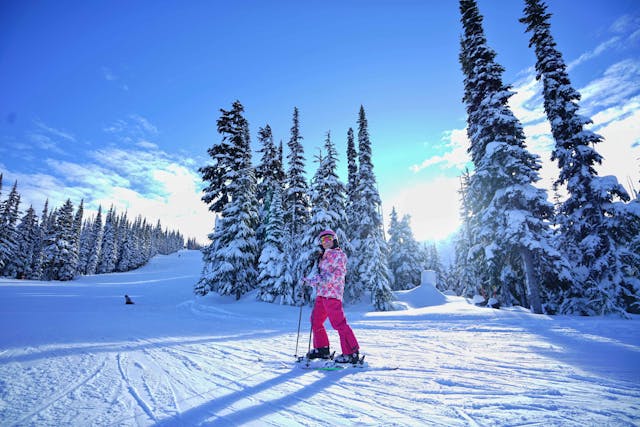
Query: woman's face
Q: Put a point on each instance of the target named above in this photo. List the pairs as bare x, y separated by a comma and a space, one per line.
327, 241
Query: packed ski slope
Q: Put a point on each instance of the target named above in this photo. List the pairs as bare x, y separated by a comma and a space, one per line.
75, 354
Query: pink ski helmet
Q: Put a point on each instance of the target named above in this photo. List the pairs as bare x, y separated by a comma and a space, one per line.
329, 232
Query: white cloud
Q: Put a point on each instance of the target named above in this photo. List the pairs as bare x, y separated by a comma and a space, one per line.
455, 156
147, 145
45, 138
55, 132
178, 208
152, 184
91, 176
618, 84
621, 149
144, 124
134, 128
625, 23
614, 99
161, 187
605, 46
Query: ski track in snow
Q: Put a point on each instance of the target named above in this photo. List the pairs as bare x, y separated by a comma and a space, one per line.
175, 360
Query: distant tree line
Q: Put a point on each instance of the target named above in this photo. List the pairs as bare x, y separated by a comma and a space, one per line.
60, 244
580, 256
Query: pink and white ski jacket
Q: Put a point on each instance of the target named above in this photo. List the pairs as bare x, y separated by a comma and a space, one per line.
329, 283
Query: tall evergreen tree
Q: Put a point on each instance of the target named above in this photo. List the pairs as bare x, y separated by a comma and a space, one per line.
9, 212
76, 231
370, 247
60, 260
226, 159
511, 225
328, 198
296, 192
296, 206
36, 268
590, 220
94, 244
404, 253
466, 272
233, 253
393, 244
269, 174
108, 251
274, 281
27, 238
127, 248
352, 178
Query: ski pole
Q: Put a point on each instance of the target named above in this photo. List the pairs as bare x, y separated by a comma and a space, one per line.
298, 337
310, 330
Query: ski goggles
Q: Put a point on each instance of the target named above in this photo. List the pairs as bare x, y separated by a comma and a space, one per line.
326, 238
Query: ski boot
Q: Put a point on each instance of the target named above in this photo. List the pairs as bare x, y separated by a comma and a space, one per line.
319, 353
348, 358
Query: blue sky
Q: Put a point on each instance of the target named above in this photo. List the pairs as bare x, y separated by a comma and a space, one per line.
116, 102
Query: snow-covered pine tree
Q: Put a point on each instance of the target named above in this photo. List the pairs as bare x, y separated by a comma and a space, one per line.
77, 225
296, 207
108, 251
369, 245
633, 256
156, 238
139, 242
60, 260
592, 217
83, 251
93, 244
36, 268
27, 237
126, 251
269, 174
296, 191
274, 281
328, 198
393, 244
352, 291
352, 178
432, 262
466, 272
308, 249
233, 252
9, 213
148, 240
404, 253
511, 218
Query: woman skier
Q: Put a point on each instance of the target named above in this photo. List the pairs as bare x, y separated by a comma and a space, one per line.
329, 285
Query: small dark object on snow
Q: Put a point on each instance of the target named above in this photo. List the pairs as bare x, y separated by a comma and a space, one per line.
127, 300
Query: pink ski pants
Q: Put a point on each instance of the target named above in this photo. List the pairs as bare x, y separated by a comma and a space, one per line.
332, 308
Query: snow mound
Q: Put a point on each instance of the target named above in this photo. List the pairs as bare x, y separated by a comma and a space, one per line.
424, 295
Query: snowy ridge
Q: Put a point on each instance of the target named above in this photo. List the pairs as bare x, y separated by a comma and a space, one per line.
76, 355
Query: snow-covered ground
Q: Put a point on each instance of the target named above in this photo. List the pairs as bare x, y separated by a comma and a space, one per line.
74, 354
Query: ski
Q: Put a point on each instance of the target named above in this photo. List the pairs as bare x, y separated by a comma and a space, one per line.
331, 365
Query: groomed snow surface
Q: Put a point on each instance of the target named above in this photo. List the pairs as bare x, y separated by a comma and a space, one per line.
74, 354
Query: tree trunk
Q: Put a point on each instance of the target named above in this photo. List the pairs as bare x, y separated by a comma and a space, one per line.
533, 285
